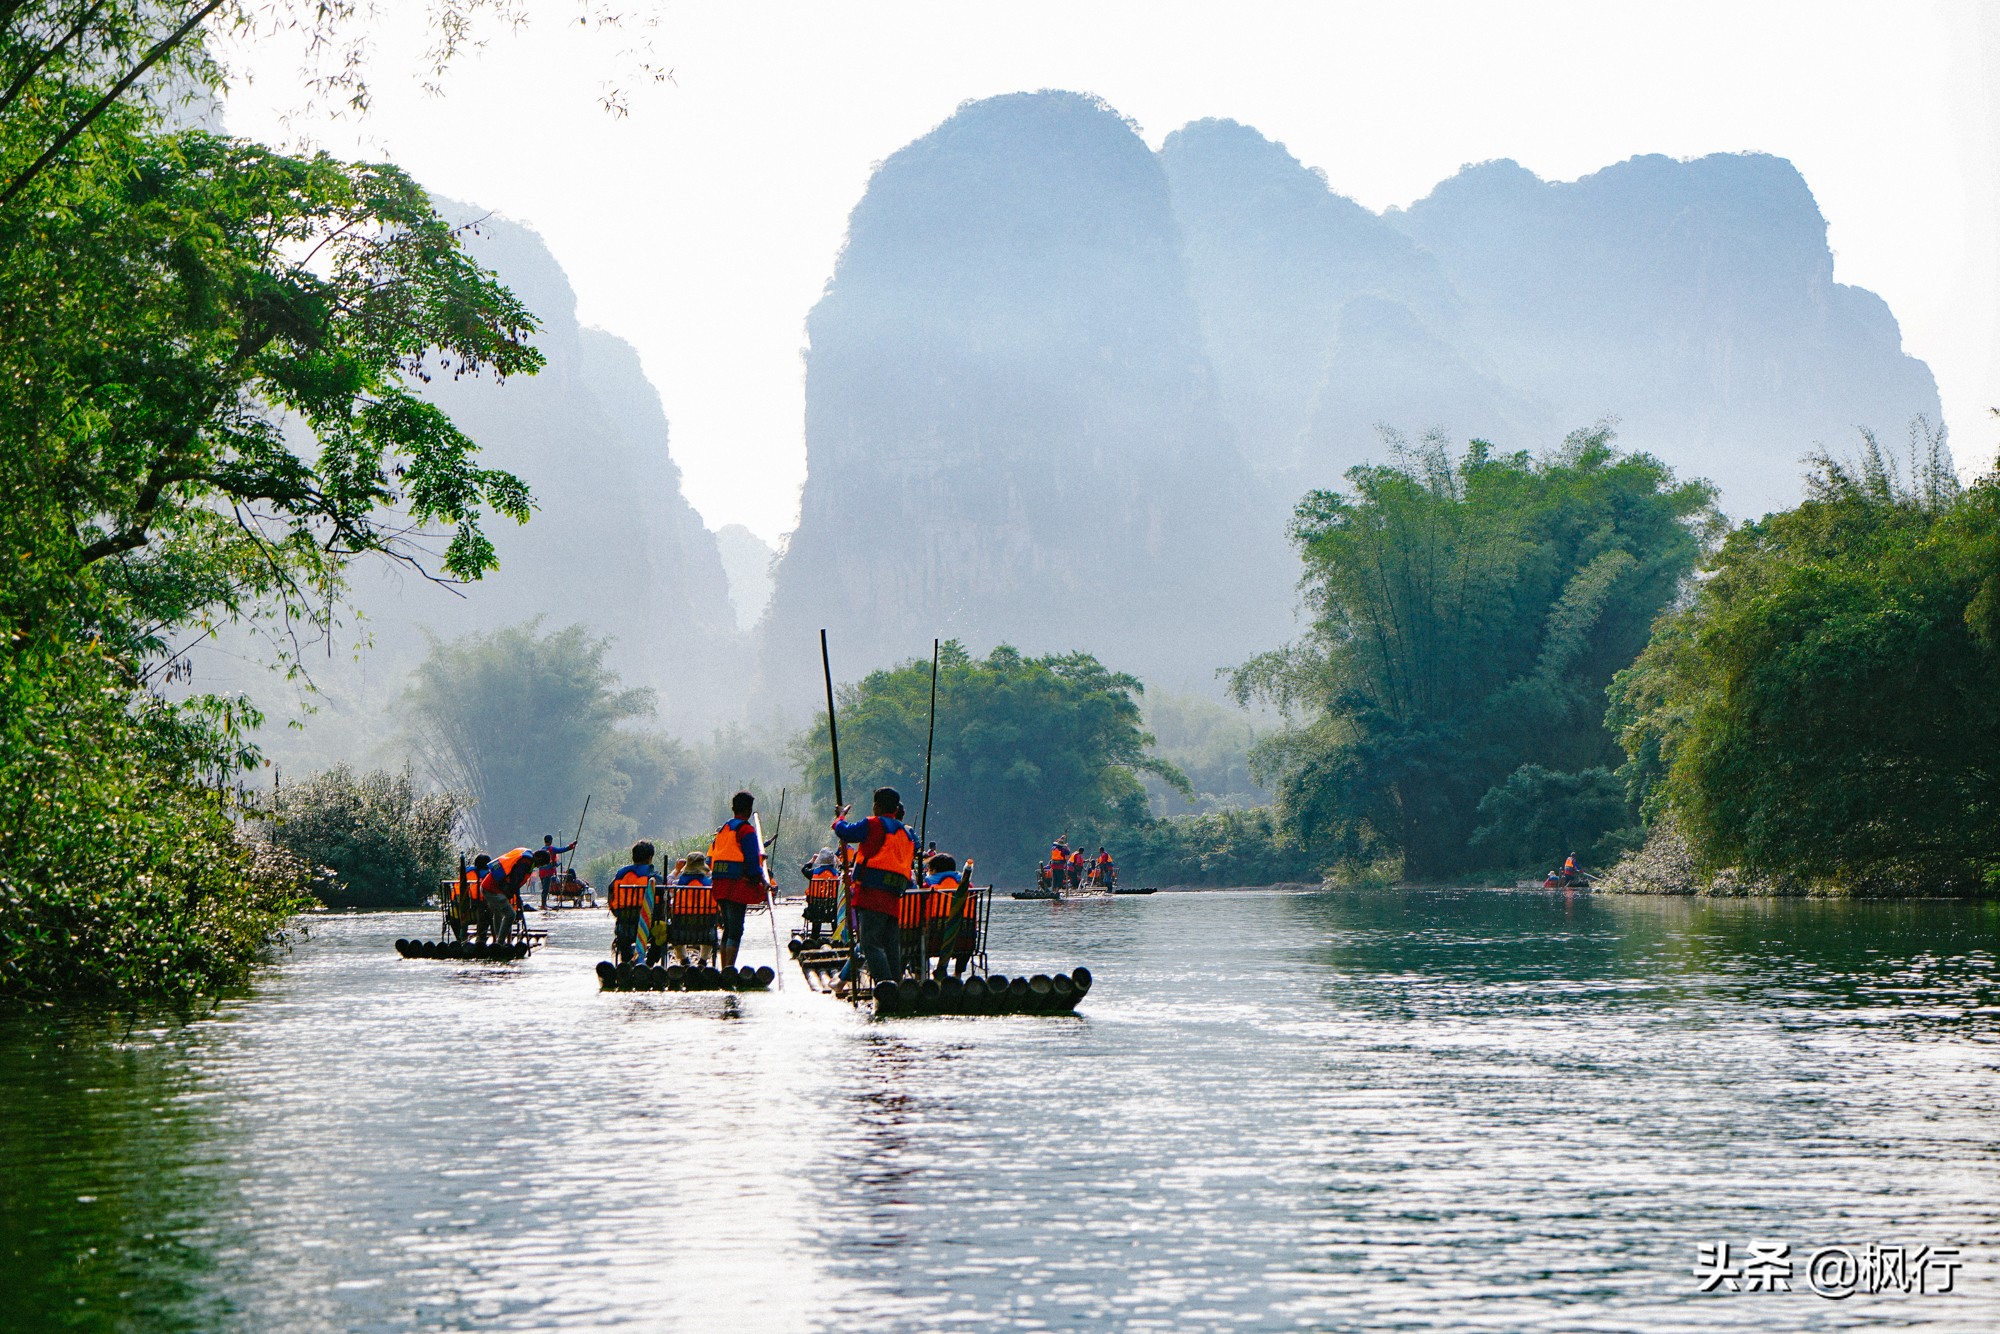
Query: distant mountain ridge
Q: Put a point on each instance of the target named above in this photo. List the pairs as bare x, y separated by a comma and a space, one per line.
1692, 301
1063, 391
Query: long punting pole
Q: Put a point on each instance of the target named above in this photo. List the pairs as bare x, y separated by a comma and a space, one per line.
833, 742
579, 831
771, 899
924, 819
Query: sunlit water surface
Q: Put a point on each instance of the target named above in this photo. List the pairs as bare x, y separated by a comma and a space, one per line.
1421, 1110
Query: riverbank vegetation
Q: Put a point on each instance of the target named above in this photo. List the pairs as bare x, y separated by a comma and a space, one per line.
209, 353
375, 840
1469, 612
527, 723
1804, 704
1824, 713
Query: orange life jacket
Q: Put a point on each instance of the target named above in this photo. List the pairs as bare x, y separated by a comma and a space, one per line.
881, 878
727, 857
501, 869
825, 883
629, 889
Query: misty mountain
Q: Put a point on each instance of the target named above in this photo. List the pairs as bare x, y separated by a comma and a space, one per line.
1063, 391
1693, 301
1012, 431
613, 544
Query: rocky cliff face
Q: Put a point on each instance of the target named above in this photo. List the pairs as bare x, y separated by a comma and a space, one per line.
1012, 431
1692, 301
613, 543
1063, 391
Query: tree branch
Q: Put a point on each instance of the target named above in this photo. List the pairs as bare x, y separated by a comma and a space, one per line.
35, 67
117, 90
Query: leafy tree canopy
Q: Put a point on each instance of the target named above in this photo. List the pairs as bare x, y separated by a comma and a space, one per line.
1026, 749
387, 844
527, 724
1468, 615
210, 353
1828, 705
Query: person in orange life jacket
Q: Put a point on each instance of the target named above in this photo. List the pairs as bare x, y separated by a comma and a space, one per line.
691, 870
1104, 870
476, 904
888, 856
945, 875
822, 875
547, 873
1059, 863
501, 889
736, 861
629, 888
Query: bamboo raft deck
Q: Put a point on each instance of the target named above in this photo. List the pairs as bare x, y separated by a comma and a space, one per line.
676, 977
952, 977
466, 951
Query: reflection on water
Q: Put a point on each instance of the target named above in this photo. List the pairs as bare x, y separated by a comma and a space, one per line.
1423, 1110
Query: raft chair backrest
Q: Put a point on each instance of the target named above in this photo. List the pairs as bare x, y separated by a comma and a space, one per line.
913, 916
822, 899
694, 915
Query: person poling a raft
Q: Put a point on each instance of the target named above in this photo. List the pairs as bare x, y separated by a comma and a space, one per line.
1568, 876
736, 861
545, 872
887, 856
500, 890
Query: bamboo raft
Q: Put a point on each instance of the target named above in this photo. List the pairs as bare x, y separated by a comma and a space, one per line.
466, 951
928, 935
675, 977
995, 993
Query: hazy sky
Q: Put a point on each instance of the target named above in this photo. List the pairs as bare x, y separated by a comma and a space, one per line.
704, 226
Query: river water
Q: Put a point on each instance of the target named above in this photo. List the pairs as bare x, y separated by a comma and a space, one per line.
1403, 1110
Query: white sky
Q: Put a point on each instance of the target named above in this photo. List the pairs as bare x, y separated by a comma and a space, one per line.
703, 227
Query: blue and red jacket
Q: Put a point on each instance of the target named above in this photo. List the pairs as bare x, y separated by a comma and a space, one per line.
888, 857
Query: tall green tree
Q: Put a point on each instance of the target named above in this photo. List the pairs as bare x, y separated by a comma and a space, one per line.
1026, 749
1469, 612
1827, 707
210, 362
528, 724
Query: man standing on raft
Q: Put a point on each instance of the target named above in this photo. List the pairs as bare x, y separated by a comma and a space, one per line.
881, 874
737, 874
